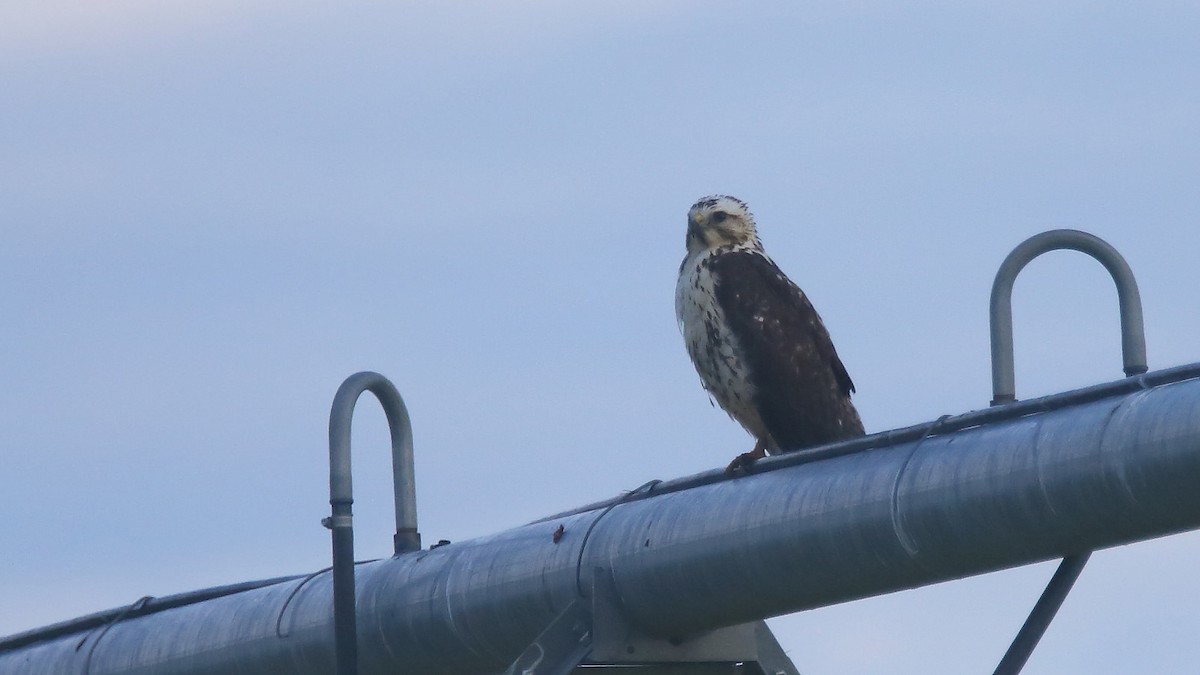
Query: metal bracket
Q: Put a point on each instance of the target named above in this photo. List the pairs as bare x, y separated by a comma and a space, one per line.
1133, 351
772, 660
560, 648
615, 641
602, 640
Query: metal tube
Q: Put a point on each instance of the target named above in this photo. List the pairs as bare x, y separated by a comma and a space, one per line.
1041, 616
1133, 338
1133, 350
345, 624
1094, 474
341, 499
404, 487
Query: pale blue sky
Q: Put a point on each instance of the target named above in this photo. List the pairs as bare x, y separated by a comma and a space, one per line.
213, 213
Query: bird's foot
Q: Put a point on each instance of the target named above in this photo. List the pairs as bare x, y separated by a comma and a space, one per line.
743, 462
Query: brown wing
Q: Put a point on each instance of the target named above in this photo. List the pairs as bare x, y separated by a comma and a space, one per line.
803, 390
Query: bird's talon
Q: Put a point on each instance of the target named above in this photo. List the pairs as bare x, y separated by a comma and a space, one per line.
741, 464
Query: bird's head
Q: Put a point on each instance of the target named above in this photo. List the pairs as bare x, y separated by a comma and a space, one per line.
718, 221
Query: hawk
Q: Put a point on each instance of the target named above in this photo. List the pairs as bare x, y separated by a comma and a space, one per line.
761, 349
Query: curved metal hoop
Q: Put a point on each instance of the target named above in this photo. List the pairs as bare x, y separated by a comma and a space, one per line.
1133, 334
404, 482
341, 499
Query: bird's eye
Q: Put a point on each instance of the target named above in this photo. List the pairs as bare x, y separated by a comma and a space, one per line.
719, 217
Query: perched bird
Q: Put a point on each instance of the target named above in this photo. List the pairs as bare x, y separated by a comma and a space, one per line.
761, 349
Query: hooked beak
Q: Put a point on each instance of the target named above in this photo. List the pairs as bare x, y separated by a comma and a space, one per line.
694, 230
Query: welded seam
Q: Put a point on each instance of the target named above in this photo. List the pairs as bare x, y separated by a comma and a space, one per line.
647, 486
1037, 463
1108, 420
1121, 473
87, 661
447, 598
283, 608
906, 541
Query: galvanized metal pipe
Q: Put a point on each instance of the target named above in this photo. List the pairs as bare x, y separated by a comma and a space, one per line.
341, 500
1079, 477
1043, 613
404, 485
1004, 392
1133, 338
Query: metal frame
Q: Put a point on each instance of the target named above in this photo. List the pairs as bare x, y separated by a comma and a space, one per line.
341, 498
686, 568
1133, 351
1106, 465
